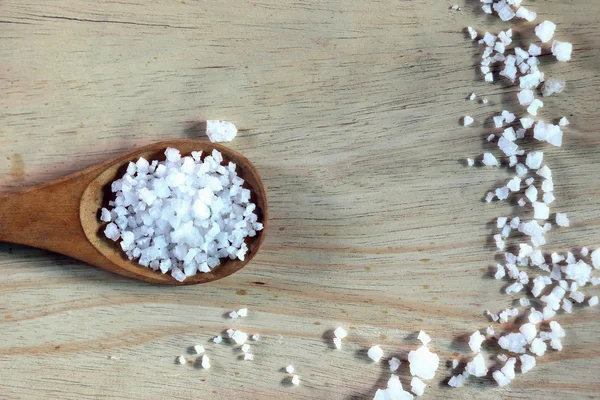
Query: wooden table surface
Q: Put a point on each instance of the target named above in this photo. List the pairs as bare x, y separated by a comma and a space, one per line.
350, 110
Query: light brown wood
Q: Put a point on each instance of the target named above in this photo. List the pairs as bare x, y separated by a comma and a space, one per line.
63, 215
350, 111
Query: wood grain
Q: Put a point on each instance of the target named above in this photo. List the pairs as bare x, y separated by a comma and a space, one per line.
350, 111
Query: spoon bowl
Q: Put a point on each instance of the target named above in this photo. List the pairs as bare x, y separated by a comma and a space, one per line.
63, 215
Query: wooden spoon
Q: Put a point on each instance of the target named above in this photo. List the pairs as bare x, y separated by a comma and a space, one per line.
63, 215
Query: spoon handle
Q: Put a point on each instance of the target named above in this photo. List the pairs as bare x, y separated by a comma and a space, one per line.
47, 217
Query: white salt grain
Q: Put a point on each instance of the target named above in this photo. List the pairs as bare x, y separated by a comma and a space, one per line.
475, 341
248, 357
563, 121
394, 364
596, 258
477, 367
375, 353
525, 97
295, 380
562, 50
245, 348
527, 363
545, 31
242, 312
489, 160
340, 333
456, 381
552, 86
534, 106
423, 363
217, 339
289, 369
593, 301
538, 347
239, 337
337, 342
424, 338
467, 120
417, 386
199, 349
205, 362
220, 131
181, 360
562, 219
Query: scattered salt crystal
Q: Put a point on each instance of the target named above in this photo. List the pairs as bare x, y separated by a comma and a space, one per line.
489, 77
477, 367
502, 193
562, 219
527, 363
340, 333
467, 120
596, 258
337, 342
534, 159
484, 101
248, 357
417, 386
534, 50
199, 349
552, 86
181, 360
563, 121
525, 97
498, 121
538, 347
531, 193
394, 364
375, 353
295, 380
491, 137
524, 13
245, 348
242, 312
456, 381
423, 363
475, 341
233, 315
473, 95
289, 369
577, 296
527, 122
545, 31
541, 210
524, 302
454, 363
521, 169
562, 50
205, 362
593, 301
513, 342
217, 339
470, 162
220, 131
567, 306
424, 338
534, 106
239, 337
500, 272
489, 160
489, 197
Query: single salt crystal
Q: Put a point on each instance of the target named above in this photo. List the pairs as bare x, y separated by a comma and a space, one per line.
514, 288
585, 252
526, 97
530, 81
205, 362
548, 185
506, 231
524, 302
535, 317
467, 120
500, 272
531, 193
473, 34
489, 160
477, 367
562, 50
563, 121
502, 193
220, 131
454, 363
417, 386
340, 333
527, 363
500, 222
489, 39
233, 315
489, 77
529, 181
544, 131
424, 338
513, 342
498, 121
470, 162
295, 380
475, 341
521, 169
508, 116
529, 331
509, 133
562, 219
423, 363
534, 50
230, 332
375, 353
524, 13
541, 210
112, 231
545, 172
593, 301
245, 348
217, 339
491, 137
484, 101
538, 347
248, 357
289, 369
473, 96
199, 349
242, 312
337, 342
456, 381
534, 159
239, 337
499, 47
504, 11
509, 368
487, 8
545, 31
552, 86
394, 364
527, 122
181, 360
489, 197
534, 106
596, 258
512, 161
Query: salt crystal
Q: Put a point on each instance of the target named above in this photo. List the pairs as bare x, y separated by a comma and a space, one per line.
538, 347
562, 50
541, 210
563, 121
217, 339
552, 86
394, 364
577, 296
295, 380
424, 338
531, 193
502, 193
534, 50
475, 341
239, 337
205, 362
534, 159
524, 13
498, 121
340, 333
289, 369
233, 315
181, 360
220, 131
467, 120
199, 349
567, 306
526, 122
545, 31
242, 312
489, 160
456, 381
596, 258
489, 77
521, 169
423, 363
477, 367
513, 342
593, 301
473, 34
375, 353
526, 97
470, 162
562, 219
417, 386
527, 363
534, 106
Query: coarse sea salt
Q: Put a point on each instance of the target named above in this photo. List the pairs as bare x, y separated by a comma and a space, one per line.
375, 353
220, 131
182, 215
